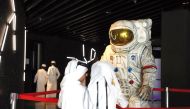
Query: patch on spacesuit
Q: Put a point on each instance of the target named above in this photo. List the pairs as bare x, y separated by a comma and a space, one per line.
129, 69
131, 82
116, 69
133, 58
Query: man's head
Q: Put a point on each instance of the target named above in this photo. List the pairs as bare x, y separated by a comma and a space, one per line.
53, 62
126, 34
43, 66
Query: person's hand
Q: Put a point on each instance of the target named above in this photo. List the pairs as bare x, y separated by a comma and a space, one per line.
144, 92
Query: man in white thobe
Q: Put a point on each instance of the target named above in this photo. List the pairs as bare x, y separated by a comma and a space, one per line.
104, 89
41, 79
53, 75
72, 94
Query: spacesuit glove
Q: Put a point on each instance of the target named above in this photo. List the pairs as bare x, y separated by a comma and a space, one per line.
144, 92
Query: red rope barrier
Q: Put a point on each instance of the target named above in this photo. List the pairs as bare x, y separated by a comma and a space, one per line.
55, 100
57, 91
32, 98
172, 90
154, 89
179, 90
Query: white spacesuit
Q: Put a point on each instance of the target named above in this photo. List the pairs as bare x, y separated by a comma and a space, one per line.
41, 79
104, 89
53, 75
130, 52
73, 92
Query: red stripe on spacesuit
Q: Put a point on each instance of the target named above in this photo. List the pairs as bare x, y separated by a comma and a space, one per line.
149, 66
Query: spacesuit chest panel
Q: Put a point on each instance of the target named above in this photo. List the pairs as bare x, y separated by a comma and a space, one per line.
132, 65
119, 60
134, 57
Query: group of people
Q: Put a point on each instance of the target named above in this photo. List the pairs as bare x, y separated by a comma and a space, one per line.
47, 80
124, 75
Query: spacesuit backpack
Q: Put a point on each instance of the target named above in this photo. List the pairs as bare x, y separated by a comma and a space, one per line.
142, 36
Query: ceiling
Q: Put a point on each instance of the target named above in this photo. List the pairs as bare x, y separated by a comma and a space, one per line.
89, 20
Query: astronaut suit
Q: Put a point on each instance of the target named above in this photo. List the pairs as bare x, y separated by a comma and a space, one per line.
130, 52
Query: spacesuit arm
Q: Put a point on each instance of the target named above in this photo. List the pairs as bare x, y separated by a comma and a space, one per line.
148, 67
148, 74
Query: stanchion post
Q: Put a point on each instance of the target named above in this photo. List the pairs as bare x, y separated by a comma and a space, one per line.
13, 98
167, 97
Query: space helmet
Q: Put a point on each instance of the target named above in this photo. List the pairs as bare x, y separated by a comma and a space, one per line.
128, 33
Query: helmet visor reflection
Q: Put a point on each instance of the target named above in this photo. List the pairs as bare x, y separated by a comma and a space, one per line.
121, 37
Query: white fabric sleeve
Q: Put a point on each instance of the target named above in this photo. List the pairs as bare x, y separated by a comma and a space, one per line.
59, 103
48, 72
121, 100
58, 73
36, 77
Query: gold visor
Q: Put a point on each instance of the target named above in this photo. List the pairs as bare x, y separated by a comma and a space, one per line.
121, 37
